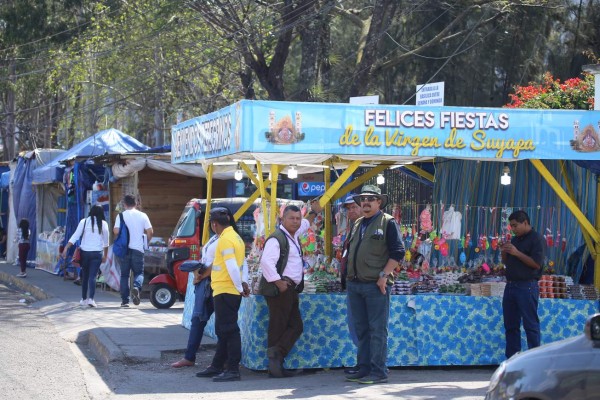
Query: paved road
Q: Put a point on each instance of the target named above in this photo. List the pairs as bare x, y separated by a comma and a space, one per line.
44, 353
35, 363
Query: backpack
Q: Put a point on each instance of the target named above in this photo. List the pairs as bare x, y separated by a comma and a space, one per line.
121, 243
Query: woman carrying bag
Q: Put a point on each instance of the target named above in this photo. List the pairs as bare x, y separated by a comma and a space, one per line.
92, 233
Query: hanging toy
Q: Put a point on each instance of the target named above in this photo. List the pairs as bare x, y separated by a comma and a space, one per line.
549, 238
481, 242
444, 248
557, 242
485, 268
563, 246
461, 243
462, 258
468, 242
425, 219
495, 243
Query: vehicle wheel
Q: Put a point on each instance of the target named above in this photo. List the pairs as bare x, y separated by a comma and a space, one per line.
162, 296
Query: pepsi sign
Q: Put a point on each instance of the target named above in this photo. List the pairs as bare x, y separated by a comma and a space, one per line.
310, 189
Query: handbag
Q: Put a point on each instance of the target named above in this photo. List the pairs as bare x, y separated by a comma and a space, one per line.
76, 259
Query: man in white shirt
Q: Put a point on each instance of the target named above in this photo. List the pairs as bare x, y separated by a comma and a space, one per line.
138, 225
285, 321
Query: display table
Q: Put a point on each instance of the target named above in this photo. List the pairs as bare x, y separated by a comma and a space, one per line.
424, 330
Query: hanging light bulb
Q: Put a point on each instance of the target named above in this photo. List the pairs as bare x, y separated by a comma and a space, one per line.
238, 175
505, 178
380, 179
292, 172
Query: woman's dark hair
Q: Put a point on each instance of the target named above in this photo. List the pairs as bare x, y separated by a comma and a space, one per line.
24, 225
223, 216
97, 213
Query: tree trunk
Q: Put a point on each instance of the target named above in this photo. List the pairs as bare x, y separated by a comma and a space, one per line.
383, 13
9, 149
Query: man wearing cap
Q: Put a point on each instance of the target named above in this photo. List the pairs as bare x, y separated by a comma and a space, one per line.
375, 250
228, 288
354, 212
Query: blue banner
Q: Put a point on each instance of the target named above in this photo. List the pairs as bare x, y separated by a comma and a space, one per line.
388, 130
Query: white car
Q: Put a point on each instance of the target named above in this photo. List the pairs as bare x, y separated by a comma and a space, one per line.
565, 370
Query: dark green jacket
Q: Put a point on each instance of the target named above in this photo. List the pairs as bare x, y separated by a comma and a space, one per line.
368, 255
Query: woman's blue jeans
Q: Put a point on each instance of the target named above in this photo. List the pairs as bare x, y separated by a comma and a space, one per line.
203, 309
90, 264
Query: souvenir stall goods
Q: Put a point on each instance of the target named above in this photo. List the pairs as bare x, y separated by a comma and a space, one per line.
424, 329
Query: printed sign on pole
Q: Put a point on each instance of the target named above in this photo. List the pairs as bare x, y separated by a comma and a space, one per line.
431, 94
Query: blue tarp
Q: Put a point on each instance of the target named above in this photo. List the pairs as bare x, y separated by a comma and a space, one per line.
24, 198
110, 141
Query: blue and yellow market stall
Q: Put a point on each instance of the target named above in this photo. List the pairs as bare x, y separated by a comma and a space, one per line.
283, 137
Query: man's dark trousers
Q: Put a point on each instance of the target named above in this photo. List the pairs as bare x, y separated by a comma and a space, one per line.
285, 321
520, 303
229, 343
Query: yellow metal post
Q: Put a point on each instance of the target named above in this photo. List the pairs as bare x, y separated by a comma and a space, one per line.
359, 181
275, 209
422, 173
597, 259
209, 181
581, 218
263, 197
329, 193
586, 237
327, 218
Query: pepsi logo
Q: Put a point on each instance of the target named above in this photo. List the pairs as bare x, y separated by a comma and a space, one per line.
305, 186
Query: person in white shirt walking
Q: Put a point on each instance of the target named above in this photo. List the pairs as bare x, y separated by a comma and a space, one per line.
92, 232
138, 225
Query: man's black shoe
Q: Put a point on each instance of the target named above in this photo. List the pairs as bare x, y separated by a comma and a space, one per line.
352, 370
209, 372
227, 376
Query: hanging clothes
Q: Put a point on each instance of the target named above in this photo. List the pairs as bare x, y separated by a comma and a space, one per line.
451, 223
425, 219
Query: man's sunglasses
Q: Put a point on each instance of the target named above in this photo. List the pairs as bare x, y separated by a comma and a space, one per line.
368, 198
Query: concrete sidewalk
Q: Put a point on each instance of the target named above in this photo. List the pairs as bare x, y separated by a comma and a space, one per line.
135, 334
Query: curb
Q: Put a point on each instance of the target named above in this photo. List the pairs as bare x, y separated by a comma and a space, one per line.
22, 284
103, 347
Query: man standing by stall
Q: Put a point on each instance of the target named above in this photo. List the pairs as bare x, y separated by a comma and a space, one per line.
523, 257
375, 250
354, 212
283, 277
138, 224
228, 285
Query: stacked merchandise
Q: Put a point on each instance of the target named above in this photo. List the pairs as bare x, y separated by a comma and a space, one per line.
583, 292
487, 289
553, 287
401, 287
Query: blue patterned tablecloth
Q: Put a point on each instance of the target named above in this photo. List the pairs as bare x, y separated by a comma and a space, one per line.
424, 330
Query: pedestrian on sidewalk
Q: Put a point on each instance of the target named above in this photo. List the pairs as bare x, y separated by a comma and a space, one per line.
23, 233
203, 304
92, 233
140, 233
229, 284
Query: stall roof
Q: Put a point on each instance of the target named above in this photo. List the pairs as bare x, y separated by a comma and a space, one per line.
110, 141
123, 165
308, 135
